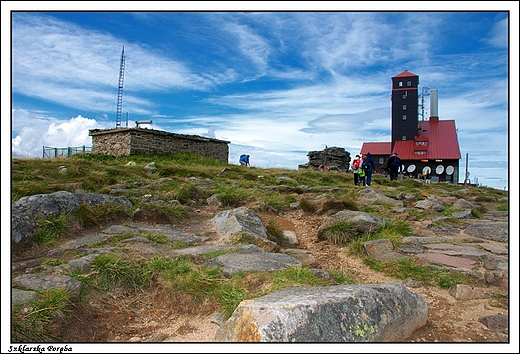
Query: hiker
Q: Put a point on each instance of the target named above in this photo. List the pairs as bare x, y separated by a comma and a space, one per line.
394, 165
428, 177
368, 167
244, 160
355, 167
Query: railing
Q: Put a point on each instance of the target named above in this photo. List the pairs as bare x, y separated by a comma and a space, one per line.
50, 152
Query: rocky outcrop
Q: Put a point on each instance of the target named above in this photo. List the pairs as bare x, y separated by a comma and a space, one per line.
26, 209
334, 157
45, 205
340, 313
251, 258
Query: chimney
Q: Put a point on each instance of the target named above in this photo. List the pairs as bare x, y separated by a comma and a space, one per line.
434, 105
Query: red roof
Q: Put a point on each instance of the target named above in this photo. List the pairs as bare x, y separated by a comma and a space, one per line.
405, 73
376, 148
441, 138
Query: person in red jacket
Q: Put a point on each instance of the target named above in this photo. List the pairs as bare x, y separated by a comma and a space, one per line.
355, 165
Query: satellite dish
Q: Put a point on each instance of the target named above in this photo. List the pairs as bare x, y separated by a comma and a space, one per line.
426, 170
449, 170
411, 168
439, 169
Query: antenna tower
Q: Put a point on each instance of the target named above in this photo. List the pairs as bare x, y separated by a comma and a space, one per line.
425, 92
120, 89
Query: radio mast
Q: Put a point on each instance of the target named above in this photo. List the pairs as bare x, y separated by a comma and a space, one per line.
425, 92
120, 89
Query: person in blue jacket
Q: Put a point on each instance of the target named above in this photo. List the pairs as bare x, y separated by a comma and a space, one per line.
244, 160
368, 166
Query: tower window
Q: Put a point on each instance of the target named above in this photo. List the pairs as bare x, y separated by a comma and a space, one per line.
405, 95
408, 83
404, 116
400, 84
404, 137
404, 107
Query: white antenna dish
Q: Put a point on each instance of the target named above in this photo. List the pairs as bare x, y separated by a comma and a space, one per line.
449, 170
439, 169
411, 168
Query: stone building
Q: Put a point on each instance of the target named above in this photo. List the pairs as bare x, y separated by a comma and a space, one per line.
131, 141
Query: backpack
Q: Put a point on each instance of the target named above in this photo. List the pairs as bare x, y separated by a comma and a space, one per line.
396, 163
361, 173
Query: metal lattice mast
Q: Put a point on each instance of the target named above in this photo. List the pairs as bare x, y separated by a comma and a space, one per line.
120, 89
425, 92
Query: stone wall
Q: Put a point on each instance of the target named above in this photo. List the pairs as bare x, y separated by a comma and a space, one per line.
131, 141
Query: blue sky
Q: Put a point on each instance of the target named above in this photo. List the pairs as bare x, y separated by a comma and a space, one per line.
275, 84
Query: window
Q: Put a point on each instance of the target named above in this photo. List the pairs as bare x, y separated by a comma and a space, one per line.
405, 95
404, 116
420, 153
408, 83
421, 143
404, 107
404, 137
400, 84
381, 160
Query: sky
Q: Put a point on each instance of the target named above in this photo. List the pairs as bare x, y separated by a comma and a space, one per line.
276, 84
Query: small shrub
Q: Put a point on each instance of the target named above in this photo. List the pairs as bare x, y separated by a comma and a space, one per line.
111, 271
306, 206
232, 198
274, 230
340, 233
51, 229
88, 215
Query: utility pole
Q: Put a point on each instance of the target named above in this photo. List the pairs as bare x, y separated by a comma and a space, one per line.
120, 89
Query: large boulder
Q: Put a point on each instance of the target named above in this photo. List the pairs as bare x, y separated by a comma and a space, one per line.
231, 223
340, 313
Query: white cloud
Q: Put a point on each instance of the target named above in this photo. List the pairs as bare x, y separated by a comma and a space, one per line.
31, 139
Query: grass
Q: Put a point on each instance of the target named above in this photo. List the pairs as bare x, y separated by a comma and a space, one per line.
51, 229
411, 268
38, 321
190, 180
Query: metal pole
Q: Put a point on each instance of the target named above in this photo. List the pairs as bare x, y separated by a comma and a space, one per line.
466, 174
